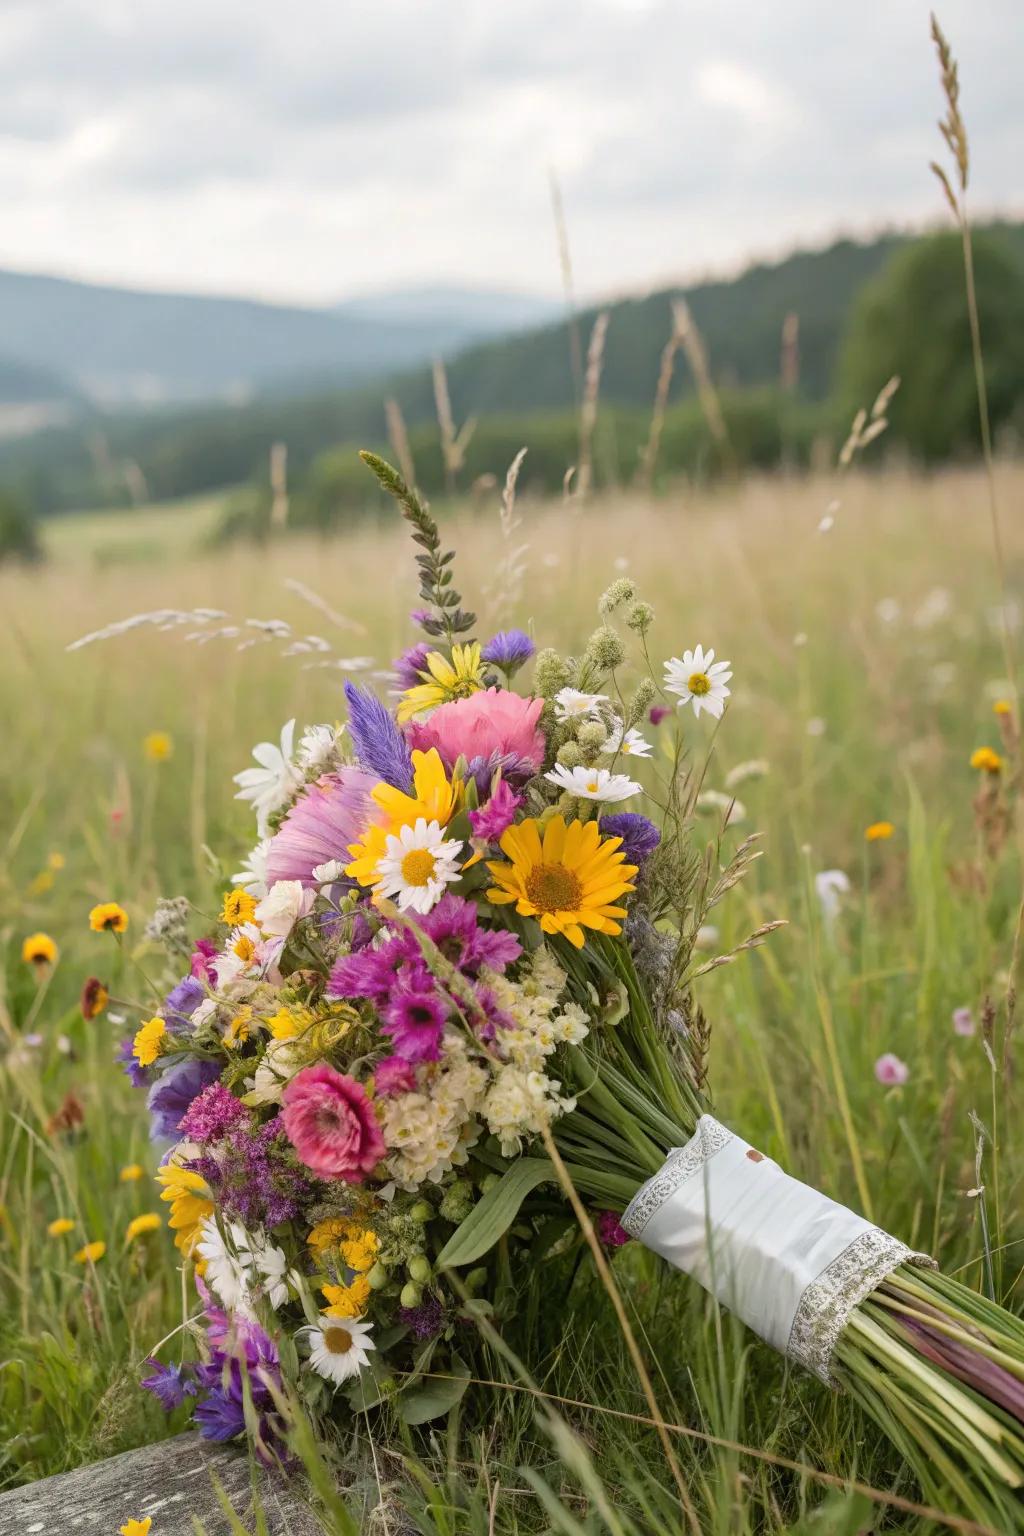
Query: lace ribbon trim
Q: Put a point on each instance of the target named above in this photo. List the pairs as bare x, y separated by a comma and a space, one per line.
681, 1164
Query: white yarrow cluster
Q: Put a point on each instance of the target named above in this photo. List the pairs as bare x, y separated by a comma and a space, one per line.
430, 1131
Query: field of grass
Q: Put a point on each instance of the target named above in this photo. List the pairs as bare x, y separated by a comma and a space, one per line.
867, 661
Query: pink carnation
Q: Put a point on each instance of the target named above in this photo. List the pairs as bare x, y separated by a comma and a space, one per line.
330, 1123
325, 819
490, 725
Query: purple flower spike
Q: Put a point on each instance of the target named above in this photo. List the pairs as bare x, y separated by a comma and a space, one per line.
212, 1114
510, 649
410, 666
380, 746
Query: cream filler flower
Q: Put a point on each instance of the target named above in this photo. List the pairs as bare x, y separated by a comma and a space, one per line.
571, 704
700, 680
418, 863
627, 744
272, 784
338, 1347
594, 783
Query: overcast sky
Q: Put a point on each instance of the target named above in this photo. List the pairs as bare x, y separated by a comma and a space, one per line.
310, 149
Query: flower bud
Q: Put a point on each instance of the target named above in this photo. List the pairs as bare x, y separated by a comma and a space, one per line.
377, 1278
412, 1294
419, 1268
422, 1211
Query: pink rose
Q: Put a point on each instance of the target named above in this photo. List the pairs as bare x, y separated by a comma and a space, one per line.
330, 1122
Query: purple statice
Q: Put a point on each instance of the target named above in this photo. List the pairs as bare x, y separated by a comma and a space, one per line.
212, 1114
181, 1003
509, 649
393, 1075
138, 1076
424, 1321
415, 1021
494, 818
259, 1180
200, 964
380, 747
611, 1231
409, 667
168, 1385
639, 836
173, 1092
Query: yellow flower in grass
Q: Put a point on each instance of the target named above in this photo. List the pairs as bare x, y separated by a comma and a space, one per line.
131, 1172
149, 1221
987, 761
189, 1198
1002, 707
569, 877
157, 746
136, 1527
434, 798
61, 1227
878, 831
238, 907
443, 681
149, 1041
348, 1300
56, 861
108, 917
91, 1253
39, 949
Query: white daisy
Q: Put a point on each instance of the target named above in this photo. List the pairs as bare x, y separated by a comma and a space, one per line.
830, 886
627, 743
252, 876
272, 784
594, 783
317, 749
227, 1274
571, 704
417, 865
338, 1347
258, 1254
699, 679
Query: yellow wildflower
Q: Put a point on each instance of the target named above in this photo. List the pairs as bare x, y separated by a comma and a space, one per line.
157, 746
348, 1300
149, 1041
131, 1172
286, 1023
434, 798
879, 831
189, 1198
91, 1253
136, 1527
987, 761
244, 947
238, 907
149, 1221
568, 877
39, 949
237, 1031
1002, 707
360, 1253
41, 883
94, 998
61, 1227
443, 681
56, 861
108, 917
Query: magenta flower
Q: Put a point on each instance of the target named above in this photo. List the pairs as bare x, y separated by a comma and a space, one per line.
202, 955
325, 819
330, 1122
891, 1071
963, 1021
610, 1230
212, 1114
496, 816
492, 725
408, 668
415, 1020
658, 713
394, 1075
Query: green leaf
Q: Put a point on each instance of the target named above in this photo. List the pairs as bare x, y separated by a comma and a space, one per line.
434, 1398
495, 1213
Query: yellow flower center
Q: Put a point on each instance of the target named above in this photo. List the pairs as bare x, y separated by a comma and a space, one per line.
244, 947
418, 867
553, 888
699, 683
338, 1341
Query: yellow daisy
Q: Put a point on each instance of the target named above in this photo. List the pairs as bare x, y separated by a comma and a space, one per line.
149, 1041
61, 1227
567, 876
986, 760
131, 1173
190, 1202
91, 1253
149, 1221
108, 917
157, 746
443, 681
348, 1300
238, 907
879, 831
39, 949
136, 1527
434, 797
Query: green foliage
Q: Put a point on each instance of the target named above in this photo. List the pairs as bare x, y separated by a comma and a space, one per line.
913, 321
19, 536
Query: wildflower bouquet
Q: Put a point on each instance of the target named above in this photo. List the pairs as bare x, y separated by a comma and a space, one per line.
455, 972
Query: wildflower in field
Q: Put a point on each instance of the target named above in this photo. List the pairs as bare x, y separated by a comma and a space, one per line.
131, 1173
326, 818
700, 680
61, 1227
443, 681
157, 746
711, 800
816, 726
329, 1120
986, 760
68, 1117
91, 1253
269, 786
338, 1349
594, 783
571, 704
149, 1221
41, 883
1002, 708
418, 863
492, 729
94, 998
879, 832
191, 1203
830, 886
707, 936
136, 1527
108, 917
755, 768
509, 649
891, 1071
39, 950
963, 1021
658, 713
149, 1041
629, 743
237, 907
570, 879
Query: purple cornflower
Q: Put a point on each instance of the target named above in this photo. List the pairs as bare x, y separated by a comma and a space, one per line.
509, 649
415, 1021
494, 818
639, 836
610, 1230
202, 954
424, 1321
393, 1075
410, 665
220, 1415
891, 1071
168, 1385
173, 1092
212, 1114
139, 1077
379, 745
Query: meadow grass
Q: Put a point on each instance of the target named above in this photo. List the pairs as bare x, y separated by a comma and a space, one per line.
867, 661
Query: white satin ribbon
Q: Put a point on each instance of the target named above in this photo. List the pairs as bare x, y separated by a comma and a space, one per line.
790, 1262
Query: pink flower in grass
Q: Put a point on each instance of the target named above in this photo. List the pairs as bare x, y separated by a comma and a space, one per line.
330, 1122
325, 819
493, 725
891, 1071
963, 1021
